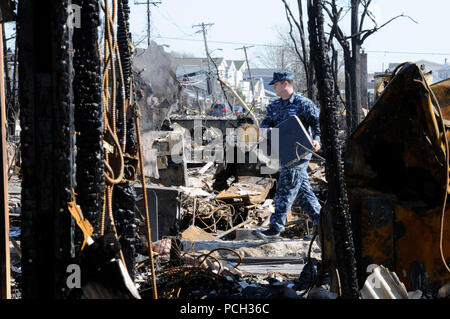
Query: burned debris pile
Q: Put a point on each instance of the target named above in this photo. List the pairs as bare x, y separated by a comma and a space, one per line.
213, 254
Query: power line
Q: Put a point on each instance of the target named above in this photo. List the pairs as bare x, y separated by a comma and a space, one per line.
402, 52
203, 26
279, 46
166, 15
148, 3
222, 42
248, 67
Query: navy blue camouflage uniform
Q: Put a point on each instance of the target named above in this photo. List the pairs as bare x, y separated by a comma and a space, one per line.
293, 183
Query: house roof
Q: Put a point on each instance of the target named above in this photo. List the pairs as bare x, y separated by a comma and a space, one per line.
229, 63
432, 64
238, 64
195, 61
260, 72
428, 64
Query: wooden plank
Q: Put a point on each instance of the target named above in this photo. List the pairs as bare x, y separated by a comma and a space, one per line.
195, 233
248, 189
248, 221
205, 168
5, 279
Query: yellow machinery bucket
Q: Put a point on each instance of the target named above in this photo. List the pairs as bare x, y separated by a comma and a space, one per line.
396, 168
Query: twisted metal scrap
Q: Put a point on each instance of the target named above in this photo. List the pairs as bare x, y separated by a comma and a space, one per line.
205, 210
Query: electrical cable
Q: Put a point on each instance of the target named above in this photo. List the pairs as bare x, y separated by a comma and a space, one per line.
447, 160
144, 191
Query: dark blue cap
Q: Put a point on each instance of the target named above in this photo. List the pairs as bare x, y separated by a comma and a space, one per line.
281, 76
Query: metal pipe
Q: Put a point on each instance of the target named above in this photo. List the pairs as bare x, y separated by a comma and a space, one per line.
147, 217
255, 120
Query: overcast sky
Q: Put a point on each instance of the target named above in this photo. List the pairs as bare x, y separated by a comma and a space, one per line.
257, 22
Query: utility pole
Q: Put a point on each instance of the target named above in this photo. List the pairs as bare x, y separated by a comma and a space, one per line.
249, 73
210, 84
148, 3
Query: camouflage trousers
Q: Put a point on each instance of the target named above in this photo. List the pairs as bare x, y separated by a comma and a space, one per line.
293, 185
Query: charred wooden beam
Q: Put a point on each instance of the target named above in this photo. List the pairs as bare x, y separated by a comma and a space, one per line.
47, 145
89, 113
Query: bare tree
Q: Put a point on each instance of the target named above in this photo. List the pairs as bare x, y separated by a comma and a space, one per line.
303, 53
282, 56
278, 55
351, 46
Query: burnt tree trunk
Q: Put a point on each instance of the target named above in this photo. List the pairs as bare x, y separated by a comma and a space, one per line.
335, 218
47, 146
364, 83
89, 114
350, 119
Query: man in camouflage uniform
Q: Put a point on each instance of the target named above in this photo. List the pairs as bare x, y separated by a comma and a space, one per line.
293, 183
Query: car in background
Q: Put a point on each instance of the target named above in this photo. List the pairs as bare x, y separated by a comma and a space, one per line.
238, 109
219, 109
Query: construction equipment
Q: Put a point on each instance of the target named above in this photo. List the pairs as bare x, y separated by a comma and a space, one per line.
397, 166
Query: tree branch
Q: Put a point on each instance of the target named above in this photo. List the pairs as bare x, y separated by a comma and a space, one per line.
303, 57
293, 39
366, 5
369, 32
334, 15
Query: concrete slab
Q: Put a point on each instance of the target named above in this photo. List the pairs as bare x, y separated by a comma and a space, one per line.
245, 234
289, 269
256, 248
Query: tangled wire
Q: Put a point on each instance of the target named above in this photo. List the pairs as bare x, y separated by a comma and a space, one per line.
196, 278
209, 215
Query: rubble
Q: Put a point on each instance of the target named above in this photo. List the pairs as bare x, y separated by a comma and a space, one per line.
383, 284
74, 149
233, 268
212, 261
396, 167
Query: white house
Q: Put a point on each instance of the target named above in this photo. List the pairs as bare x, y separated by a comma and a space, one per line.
440, 72
240, 68
230, 76
196, 70
193, 71
258, 88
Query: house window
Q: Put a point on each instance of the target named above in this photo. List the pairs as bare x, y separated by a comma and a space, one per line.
443, 75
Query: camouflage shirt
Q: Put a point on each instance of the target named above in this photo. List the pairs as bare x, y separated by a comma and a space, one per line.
280, 110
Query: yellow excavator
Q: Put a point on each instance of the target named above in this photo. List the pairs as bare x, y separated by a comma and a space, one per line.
397, 177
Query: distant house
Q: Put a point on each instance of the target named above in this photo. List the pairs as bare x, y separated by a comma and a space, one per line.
258, 88
266, 75
221, 67
230, 76
194, 70
440, 72
240, 68
187, 64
